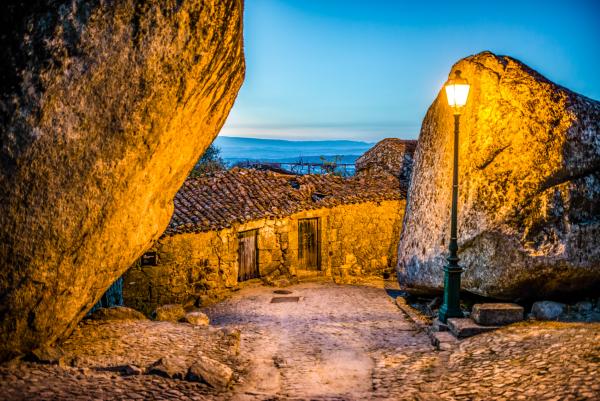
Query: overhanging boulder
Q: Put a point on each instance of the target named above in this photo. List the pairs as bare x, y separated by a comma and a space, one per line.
105, 106
529, 187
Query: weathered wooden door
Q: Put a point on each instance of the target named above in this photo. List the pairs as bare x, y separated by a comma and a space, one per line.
309, 244
248, 255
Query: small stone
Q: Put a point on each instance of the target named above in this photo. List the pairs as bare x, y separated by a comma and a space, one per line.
232, 334
117, 313
443, 340
547, 310
63, 362
76, 362
84, 371
438, 325
233, 339
584, 306
497, 314
446, 346
172, 368
211, 372
197, 318
169, 313
464, 327
131, 370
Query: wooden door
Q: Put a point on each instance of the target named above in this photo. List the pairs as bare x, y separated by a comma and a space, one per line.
309, 244
248, 255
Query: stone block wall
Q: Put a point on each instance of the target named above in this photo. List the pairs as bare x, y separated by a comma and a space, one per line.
199, 268
362, 239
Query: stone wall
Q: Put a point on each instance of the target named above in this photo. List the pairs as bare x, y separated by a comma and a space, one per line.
357, 240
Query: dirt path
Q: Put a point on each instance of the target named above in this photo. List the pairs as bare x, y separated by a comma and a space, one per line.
336, 342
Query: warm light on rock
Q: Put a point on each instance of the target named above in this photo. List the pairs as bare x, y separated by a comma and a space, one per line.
529, 186
101, 122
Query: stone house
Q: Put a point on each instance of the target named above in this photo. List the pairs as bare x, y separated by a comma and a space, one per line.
243, 224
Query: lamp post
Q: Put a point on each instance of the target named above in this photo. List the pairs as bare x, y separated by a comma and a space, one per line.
457, 91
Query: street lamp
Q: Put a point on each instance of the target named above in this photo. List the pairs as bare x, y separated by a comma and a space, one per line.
457, 91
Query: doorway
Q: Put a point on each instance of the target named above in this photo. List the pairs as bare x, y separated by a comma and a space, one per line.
248, 255
309, 244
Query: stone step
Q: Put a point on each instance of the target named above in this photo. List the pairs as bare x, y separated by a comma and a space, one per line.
497, 314
443, 340
465, 327
438, 325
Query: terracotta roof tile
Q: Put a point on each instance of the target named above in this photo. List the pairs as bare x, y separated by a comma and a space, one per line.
216, 201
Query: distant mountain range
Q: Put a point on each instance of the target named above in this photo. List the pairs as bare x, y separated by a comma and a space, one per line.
235, 149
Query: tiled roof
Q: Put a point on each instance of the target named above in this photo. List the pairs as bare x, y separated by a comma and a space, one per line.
390, 156
217, 201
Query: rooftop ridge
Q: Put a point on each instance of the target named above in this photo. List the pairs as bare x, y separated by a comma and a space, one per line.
219, 200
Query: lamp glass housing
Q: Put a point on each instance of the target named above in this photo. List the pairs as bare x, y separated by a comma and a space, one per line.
457, 91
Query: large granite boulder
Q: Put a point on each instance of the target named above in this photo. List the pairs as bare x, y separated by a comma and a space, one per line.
390, 156
529, 187
105, 106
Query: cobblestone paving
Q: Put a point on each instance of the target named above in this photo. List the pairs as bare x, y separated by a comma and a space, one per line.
528, 361
336, 343
95, 353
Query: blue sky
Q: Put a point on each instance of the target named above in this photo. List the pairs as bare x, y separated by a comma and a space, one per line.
366, 70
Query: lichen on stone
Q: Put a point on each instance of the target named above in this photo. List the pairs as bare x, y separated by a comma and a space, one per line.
529, 175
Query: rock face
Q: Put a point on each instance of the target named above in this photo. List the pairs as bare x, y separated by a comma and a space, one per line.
390, 156
105, 106
529, 187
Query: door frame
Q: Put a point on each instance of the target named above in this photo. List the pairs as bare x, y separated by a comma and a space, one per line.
242, 234
318, 267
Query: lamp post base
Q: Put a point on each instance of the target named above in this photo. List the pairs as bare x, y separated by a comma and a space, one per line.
451, 305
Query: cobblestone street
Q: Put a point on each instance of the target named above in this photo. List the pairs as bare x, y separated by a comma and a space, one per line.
335, 343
